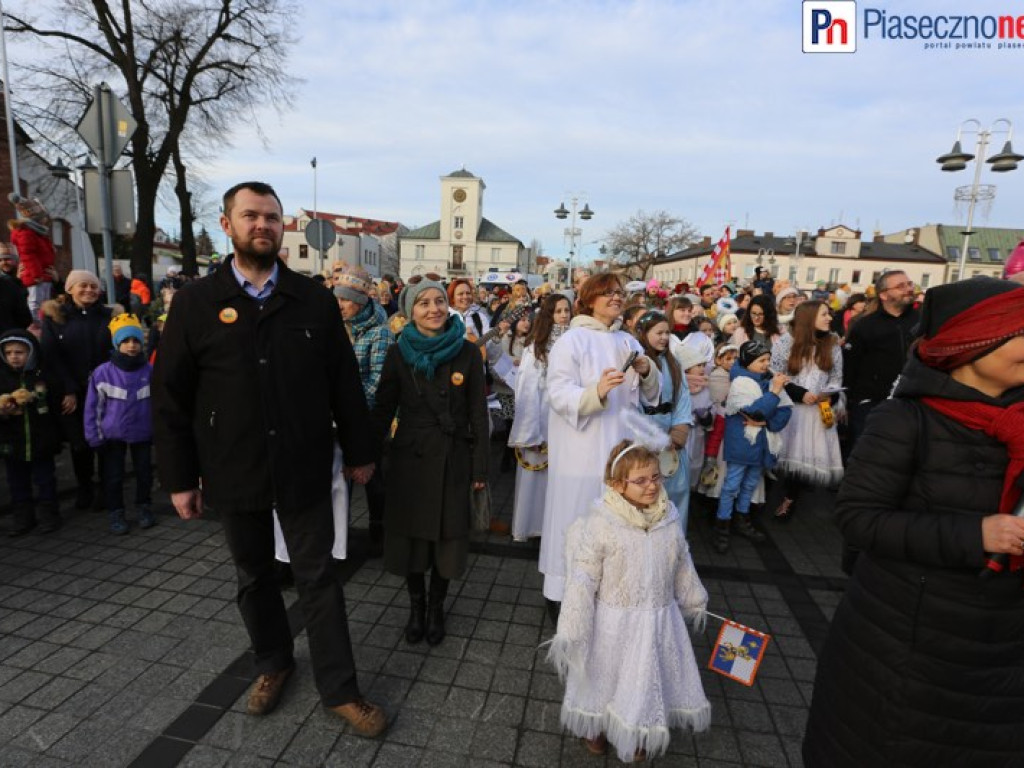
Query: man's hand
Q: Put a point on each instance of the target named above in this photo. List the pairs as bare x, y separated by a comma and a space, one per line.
360, 475
188, 504
479, 485
68, 404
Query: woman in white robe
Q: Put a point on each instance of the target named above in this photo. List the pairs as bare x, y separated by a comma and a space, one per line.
530, 426
587, 391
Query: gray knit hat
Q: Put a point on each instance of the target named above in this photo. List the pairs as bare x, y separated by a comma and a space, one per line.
408, 295
353, 283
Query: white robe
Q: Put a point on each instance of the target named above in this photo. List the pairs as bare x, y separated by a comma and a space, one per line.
580, 434
339, 502
530, 428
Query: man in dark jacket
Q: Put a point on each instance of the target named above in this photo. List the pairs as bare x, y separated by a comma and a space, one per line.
876, 348
122, 288
14, 312
254, 365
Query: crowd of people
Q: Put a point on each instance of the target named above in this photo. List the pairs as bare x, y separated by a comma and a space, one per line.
625, 408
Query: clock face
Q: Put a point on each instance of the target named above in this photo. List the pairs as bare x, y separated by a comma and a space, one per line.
459, 195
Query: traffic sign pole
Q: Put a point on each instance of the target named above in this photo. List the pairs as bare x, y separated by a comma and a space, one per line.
102, 95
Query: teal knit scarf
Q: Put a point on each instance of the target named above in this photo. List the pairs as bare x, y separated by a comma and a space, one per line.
425, 353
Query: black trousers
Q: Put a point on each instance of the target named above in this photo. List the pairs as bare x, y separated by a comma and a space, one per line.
309, 534
112, 454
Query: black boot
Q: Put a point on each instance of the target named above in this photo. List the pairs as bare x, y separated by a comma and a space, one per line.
746, 529
554, 608
415, 629
435, 609
49, 516
82, 462
23, 519
720, 536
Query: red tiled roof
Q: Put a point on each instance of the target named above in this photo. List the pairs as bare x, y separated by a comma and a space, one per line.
363, 226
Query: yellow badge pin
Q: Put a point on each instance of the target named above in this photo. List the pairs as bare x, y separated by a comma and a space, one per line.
228, 315
457, 379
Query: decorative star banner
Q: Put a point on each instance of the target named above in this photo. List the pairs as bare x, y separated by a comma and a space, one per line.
719, 266
738, 652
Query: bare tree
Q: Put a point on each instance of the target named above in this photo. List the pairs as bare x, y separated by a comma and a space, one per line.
188, 70
635, 244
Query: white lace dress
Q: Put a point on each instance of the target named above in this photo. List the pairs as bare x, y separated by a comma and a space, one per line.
622, 644
810, 450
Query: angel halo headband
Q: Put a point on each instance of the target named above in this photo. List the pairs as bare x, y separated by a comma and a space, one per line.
623, 452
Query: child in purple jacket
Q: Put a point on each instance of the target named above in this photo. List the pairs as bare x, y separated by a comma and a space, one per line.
118, 421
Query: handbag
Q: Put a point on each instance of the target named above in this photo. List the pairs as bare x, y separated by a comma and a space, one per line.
480, 508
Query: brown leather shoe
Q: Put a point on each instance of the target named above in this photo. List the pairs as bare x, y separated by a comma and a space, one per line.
366, 718
266, 691
500, 527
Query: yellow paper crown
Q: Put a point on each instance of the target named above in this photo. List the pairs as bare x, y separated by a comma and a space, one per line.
125, 320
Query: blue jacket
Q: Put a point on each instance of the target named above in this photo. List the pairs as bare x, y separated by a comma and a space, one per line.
117, 405
738, 449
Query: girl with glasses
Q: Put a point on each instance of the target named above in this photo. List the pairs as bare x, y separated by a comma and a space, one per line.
632, 586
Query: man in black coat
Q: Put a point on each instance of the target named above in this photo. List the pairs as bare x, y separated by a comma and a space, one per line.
876, 348
254, 366
14, 311
122, 288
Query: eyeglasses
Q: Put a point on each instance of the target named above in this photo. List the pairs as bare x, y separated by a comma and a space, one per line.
614, 294
643, 482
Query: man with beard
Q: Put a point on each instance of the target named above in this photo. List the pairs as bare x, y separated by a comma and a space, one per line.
254, 364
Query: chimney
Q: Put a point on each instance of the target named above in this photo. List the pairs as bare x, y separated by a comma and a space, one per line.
706, 241
769, 235
879, 237
744, 233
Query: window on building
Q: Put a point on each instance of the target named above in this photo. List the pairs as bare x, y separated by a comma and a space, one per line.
954, 275
926, 279
974, 254
419, 252
456, 257
953, 253
303, 251
775, 270
792, 274
833, 275
976, 273
837, 249
994, 254
458, 222
875, 276
856, 276
495, 255
810, 274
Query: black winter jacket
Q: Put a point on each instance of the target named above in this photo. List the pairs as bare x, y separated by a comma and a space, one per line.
876, 349
75, 341
924, 662
244, 395
34, 433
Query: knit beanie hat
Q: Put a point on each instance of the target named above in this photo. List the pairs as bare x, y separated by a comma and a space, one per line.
751, 350
34, 212
353, 283
123, 327
689, 356
727, 306
408, 295
943, 302
789, 290
723, 319
77, 276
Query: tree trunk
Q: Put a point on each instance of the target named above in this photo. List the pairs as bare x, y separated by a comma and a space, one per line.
189, 266
146, 184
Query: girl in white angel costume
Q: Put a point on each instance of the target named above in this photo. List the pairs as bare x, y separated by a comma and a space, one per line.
622, 644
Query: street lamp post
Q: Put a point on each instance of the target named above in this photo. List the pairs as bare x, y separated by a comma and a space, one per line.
956, 160
561, 213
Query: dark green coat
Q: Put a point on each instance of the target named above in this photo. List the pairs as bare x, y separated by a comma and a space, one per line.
429, 465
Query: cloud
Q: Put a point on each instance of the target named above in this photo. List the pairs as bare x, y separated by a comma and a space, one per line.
706, 109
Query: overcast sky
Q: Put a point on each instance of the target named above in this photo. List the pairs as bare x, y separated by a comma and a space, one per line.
707, 109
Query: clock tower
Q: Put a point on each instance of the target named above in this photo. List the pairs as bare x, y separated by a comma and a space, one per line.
462, 198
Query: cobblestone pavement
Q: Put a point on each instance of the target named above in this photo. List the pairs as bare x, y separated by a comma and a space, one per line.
128, 651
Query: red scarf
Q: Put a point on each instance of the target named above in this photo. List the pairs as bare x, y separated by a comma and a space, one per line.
1004, 424
974, 332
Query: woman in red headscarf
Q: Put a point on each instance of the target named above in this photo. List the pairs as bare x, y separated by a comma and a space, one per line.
924, 662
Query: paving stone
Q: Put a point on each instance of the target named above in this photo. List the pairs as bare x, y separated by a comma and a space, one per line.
433, 759
472, 675
205, 756
453, 735
403, 664
96, 638
464, 702
22, 686
353, 752
503, 709
413, 727
717, 744
424, 695
761, 749
397, 756
543, 716
546, 687
53, 693
512, 681
538, 750
437, 670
